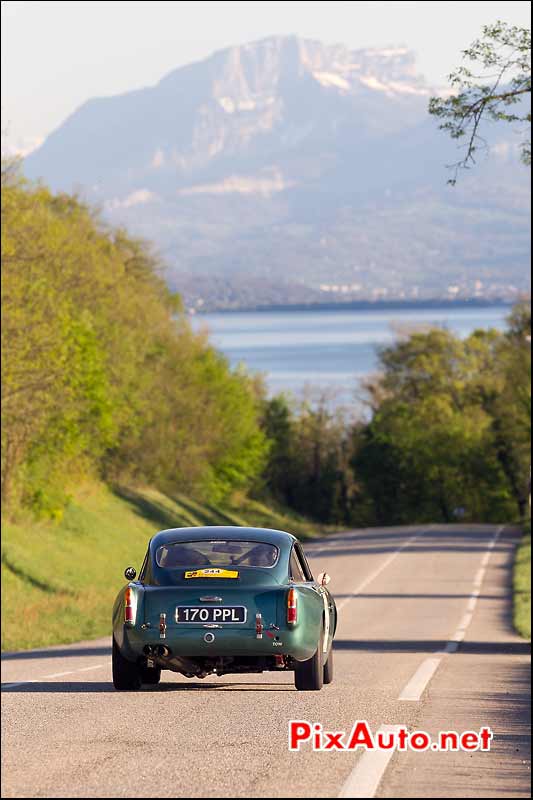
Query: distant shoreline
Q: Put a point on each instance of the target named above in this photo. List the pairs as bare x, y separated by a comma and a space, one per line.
364, 305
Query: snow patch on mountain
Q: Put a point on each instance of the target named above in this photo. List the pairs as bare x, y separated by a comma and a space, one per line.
331, 79
406, 88
374, 83
266, 184
393, 87
231, 105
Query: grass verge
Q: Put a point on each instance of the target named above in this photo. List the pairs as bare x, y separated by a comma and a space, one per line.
522, 587
59, 580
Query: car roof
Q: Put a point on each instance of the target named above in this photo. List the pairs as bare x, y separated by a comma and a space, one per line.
278, 538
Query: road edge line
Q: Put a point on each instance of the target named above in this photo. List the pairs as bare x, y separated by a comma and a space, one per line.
370, 769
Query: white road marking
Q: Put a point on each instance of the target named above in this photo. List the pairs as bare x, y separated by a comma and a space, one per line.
480, 577
451, 647
368, 773
49, 677
60, 674
472, 603
317, 553
333, 542
89, 669
458, 637
420, 681
465, 622
325, 547
373, 575
417, 685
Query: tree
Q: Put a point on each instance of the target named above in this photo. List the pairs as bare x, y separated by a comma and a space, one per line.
101, 371
449, 429
279, 428
495, 90
309, 466
511, 408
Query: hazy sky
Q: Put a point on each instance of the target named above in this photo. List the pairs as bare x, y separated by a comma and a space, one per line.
56, 55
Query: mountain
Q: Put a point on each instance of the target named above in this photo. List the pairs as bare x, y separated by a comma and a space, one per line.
290, 170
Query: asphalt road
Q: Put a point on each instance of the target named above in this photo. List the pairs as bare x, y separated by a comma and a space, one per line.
424, 640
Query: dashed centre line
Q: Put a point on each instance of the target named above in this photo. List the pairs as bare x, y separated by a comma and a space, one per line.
373, 575
418, 684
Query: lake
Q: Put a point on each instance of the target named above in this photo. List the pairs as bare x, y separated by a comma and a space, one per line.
315, 351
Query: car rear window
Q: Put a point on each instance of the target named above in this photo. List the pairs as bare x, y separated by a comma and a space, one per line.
186, 555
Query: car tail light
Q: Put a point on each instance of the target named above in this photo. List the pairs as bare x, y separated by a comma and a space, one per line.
129, 616
292, 607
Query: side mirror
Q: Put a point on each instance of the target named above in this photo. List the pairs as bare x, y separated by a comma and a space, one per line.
130, 574
324, 579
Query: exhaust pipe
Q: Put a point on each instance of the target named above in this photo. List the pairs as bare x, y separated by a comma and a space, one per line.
152, 651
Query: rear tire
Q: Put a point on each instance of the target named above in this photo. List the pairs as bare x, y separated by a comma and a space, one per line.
126, 675
328, 668
309, 675
150, 676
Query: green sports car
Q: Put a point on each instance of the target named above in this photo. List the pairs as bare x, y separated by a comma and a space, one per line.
219, 601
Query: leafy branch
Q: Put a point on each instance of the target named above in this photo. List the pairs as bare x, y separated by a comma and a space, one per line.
494, 92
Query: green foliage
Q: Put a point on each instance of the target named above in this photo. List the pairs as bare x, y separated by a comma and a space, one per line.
309, 466
494, 90
278, 425
510, 406
101, 371
522, 586
450, 436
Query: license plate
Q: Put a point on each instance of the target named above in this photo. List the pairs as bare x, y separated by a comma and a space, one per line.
192, 615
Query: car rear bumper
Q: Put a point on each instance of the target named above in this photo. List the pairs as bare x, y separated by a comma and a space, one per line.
206, 642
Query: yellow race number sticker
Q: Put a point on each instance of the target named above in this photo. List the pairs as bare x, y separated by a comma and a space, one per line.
212, 573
